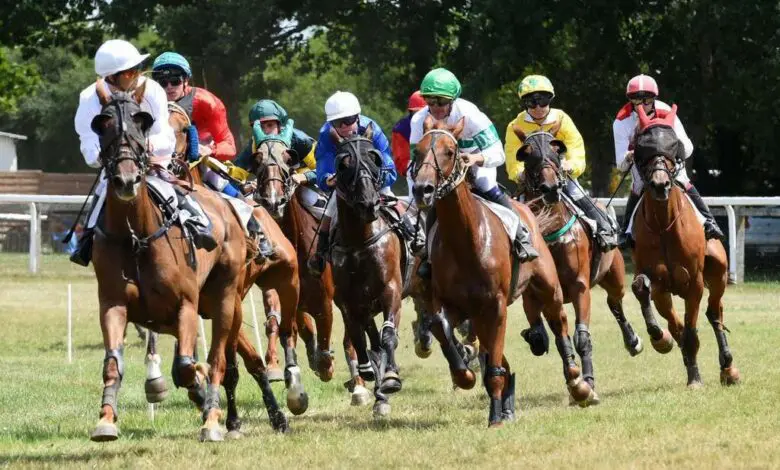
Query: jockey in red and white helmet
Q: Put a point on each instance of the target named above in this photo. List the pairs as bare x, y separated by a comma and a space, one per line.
642, 90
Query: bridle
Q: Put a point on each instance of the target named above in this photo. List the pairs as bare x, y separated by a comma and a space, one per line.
124, 145
533, 177
364, 168
264, 177
445, 184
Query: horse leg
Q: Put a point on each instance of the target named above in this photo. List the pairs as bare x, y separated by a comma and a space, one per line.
155, 387
582, 339
306, 331
390, 381
659, 338
440, 326
536, 335
233, 423
715, 276
254, 365
113, 321
273, 318
689, 339
491, 330
356, 385
297, 398
421, 329
324, 322
508, 394
614, 283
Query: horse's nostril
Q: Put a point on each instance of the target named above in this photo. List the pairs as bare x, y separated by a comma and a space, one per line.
428, 189
117, 181
137, 179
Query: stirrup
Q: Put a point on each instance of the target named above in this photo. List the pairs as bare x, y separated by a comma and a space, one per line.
712, 231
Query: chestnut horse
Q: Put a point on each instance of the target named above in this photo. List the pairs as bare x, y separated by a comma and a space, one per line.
579, 262
277, 277
671, 254
480, 281
278, 194
366, 259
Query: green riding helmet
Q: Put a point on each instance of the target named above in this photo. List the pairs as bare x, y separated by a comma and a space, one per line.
440, 82
265, 110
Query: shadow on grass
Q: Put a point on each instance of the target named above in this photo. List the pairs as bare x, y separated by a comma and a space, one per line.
81, 457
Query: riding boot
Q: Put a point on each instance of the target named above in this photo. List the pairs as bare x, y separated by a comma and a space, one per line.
257, 233
413, 233
605, 233
83, 253
424, 269
199, 226
711, 229
523, 246
624, 239
316, 263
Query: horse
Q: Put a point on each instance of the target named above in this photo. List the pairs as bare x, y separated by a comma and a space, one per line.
283, 198
579, 262
671, 254
366, 262
481, 281
277, 277
149, 272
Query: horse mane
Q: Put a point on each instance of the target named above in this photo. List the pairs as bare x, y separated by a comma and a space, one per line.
545, 218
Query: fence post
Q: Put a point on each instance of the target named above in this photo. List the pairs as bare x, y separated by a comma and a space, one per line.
35, 235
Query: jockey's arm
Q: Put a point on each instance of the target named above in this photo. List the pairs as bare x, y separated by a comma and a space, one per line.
514, 168
484, 134
162, 140
575, 146
325, 155
400, 151
683, 136
215, 116
89, 107
621, 134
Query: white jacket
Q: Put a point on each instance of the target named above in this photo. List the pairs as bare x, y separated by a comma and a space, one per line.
624, 128
161, 138
479, 134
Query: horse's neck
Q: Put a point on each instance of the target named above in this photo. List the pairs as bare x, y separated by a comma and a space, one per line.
292, 220
459, 220
355, 232
661, 214
139, 214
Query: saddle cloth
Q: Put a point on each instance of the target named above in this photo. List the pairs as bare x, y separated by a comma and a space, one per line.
699, 216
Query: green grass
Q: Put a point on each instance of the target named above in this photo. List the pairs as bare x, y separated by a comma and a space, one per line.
647, 419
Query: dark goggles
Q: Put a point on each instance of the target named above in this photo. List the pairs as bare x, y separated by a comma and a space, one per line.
642, 98
345, 121
165, 81
536, 100
439, 101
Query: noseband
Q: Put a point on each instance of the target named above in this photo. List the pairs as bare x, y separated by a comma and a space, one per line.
444, 184
288, 185
364, 168
125, 145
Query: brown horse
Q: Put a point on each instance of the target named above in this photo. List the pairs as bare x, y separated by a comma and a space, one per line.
671, 254
283, 199
149, 272
479, 282
579, 262
277, 277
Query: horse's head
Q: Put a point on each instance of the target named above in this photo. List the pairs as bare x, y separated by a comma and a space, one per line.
438, 168
274, 185
358, 172
658, 152
541, 153
122, 127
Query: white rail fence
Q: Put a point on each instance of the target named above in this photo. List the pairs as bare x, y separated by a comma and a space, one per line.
736, 210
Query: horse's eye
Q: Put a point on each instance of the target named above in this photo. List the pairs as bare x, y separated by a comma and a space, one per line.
450, 153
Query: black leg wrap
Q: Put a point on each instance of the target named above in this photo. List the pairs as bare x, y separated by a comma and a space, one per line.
724, 356
290, 356
584, 347
537, 338
508, 400
212, 400
230, 383
450, 350
563, 344
180, 362
690, 346
496, 404
275, 416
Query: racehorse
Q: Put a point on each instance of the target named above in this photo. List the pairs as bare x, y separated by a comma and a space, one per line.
277, 277
480, 281
579, 262
366, 262
283, 198
671, 254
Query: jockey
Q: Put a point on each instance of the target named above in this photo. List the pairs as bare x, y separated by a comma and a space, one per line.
400, 137
342, 111
479, 146
536, 93
119, 63
642, 90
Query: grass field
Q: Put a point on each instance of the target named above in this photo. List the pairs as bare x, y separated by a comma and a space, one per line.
647, 419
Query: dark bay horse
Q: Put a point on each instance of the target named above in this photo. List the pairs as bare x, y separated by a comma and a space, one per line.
277, 277
366, 259
149, 272
672, 255
283, 198
579, 262
479, 283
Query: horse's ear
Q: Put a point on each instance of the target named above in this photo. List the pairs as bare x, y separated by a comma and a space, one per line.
369, 134
335, 137
523, 152
98, 124
556, 126
644, 121
518, 132
100, 89
138, 94
458, 129
427, 123
559, 146
145, 119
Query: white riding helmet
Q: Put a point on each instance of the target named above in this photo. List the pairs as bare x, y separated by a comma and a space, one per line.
115, 56
341, 104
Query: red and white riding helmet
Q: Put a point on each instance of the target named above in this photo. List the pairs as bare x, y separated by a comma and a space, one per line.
642, 83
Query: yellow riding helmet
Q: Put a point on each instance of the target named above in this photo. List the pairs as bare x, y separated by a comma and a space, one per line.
535, 83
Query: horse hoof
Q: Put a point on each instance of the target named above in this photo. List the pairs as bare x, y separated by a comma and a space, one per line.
211, 435
593, 400
361, 396
496, 425
381, 410
234, 435
105, 432
274, 374
729, 376
464, 379
695, 385
421, 352
665, 344
350, 385
580, 390
297, 399
391, 383
325, 373
637, 348
156, 390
